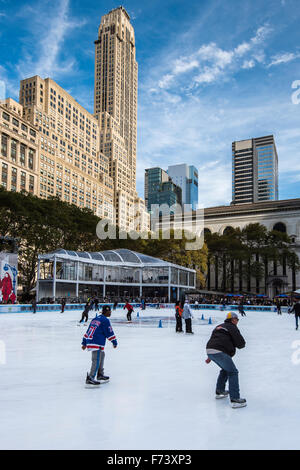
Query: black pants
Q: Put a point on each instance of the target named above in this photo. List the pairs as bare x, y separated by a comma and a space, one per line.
85, 314
188, 325
297, 319
178, 323
129, 315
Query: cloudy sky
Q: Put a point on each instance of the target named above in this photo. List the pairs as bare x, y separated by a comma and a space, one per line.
210, 72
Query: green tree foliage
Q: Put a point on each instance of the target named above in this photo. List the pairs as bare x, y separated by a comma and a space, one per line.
247, 253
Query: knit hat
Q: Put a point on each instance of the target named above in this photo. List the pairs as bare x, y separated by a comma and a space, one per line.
231, 315
106, 309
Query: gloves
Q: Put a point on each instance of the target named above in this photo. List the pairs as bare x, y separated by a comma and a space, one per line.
83, 347
207, 360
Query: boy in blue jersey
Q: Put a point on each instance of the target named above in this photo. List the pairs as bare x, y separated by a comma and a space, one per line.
94, 340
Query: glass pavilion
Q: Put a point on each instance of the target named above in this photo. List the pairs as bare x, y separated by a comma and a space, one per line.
110, 274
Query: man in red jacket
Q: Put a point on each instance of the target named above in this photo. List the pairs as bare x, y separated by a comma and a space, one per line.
129, 310
220, 349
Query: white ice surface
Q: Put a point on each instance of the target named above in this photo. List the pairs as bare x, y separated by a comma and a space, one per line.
161, 392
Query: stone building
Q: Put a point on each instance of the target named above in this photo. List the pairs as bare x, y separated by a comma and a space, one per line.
282, 215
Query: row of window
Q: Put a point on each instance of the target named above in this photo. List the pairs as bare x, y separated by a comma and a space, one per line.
19, 153
24, 179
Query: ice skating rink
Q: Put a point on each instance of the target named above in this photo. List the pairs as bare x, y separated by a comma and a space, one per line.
161, 392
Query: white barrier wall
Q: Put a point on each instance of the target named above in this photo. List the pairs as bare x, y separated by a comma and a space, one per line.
27, 308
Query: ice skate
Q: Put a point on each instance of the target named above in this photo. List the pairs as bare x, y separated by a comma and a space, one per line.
238, 403
102, 378
91, 383
223, 394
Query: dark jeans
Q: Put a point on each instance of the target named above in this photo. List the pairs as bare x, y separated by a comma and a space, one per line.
178, 323
188, 325
85, 315
228, 372
129, 315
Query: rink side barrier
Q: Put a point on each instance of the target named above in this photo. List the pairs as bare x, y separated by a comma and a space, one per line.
27, 308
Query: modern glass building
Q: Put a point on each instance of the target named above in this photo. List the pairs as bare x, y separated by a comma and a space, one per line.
254, 170
110, 274
186, 176
160, 189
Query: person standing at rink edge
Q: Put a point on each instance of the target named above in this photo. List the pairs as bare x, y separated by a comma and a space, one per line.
187, 316
296, 309
94, 340
178, 313
220, 349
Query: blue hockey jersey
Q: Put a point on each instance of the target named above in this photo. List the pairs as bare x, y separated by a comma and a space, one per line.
99, 329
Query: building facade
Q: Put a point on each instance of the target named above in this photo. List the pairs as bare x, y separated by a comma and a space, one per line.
279, 215
254, 170
52, 146
160, 190
186, 176
115, 107
70, 165
19, 157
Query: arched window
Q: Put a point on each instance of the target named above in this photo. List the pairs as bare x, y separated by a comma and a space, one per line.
280, 227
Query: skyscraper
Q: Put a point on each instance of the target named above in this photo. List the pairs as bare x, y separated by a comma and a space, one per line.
115, 106
254, 170
186, 176
160, 189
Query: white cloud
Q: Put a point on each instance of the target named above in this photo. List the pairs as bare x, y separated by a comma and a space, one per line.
248, 64
48, 48
283, 58
210, 62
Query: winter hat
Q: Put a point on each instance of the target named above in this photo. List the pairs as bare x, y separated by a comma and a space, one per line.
231, 315
106, 309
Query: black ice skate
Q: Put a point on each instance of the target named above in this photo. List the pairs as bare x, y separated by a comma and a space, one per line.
91, 383
222, 394
102, 378
238, 403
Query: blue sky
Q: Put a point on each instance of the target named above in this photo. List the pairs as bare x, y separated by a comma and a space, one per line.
210, 72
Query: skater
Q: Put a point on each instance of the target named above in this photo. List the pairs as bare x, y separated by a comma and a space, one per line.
63, 304
143, 304
85, 313
296, 309
34, 304
115, 305
178, 314
241, 310
220, 349
187, 316
94, 340
129, 310
278, 306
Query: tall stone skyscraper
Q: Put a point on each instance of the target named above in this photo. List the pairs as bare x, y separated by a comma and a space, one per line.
115, 106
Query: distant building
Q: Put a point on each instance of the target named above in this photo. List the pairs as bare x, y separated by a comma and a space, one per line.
160, 189
186, 176
19, 165
254, 170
